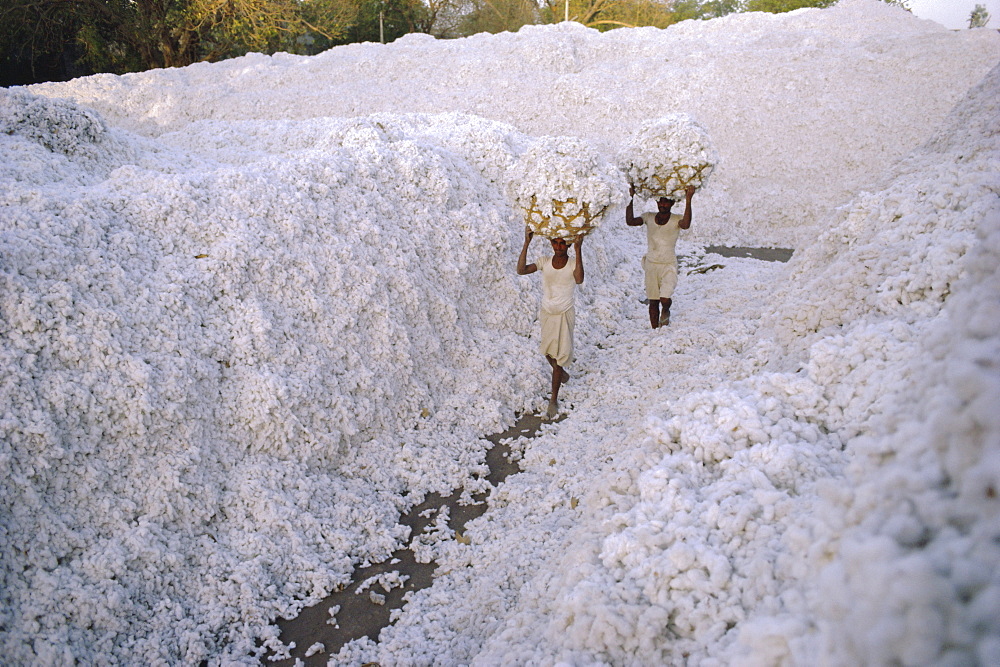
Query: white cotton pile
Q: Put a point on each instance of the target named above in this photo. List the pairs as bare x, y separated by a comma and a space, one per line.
55, 140
231, 357
904, 566
859, 86
237, 345
564, 187
667, 155
800, 492
58, 125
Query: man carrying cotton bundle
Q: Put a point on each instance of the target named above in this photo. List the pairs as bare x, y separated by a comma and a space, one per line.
564, 188
660, 260
560, 276
665, 158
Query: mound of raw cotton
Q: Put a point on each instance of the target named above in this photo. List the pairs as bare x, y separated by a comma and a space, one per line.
667, 155
57, 124
861, 84
565, 187
904, 566
77, 145
230, 356
830, 498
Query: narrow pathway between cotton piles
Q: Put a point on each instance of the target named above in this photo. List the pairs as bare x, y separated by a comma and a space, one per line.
534, 514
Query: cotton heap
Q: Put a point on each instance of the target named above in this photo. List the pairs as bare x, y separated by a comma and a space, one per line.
666, 155
252, 310
565, 187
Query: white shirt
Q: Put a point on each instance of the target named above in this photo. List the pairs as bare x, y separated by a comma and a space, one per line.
662, 239
557, 285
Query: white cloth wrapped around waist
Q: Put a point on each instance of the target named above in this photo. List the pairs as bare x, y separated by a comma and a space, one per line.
557, 335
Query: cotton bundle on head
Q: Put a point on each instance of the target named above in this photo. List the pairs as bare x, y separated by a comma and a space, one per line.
565, 187
666, 155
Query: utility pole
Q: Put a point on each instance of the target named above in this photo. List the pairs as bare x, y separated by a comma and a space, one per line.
567, 10
381, 27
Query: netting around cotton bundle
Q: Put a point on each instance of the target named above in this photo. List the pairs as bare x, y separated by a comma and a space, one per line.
562, 218
673, 182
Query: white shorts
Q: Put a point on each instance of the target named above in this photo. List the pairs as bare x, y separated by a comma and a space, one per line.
661, 279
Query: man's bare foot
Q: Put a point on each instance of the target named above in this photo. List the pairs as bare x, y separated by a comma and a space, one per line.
553, 410
564, 378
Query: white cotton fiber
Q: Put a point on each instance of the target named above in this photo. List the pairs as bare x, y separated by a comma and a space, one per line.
564, 187
667, 155
252, 310
239, 355
908, 561
863, 83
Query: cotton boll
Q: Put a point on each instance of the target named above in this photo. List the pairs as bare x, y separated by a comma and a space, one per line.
906, 530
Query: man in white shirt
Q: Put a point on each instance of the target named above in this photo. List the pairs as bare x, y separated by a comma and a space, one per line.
560, 276
660, 260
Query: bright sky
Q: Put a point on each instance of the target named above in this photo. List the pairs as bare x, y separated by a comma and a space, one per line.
955, 13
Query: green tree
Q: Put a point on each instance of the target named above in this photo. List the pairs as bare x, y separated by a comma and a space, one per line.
706, 9
715, 8
101, 35
438, 17
979, 17
779, 6
497, 16
387, 20
633, 13
587, 12
228, 28
121, 36
609, 14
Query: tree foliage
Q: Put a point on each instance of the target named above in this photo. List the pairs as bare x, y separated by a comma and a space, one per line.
778, 6
636, 13
130, 35
979, 17
497, 16
609, 14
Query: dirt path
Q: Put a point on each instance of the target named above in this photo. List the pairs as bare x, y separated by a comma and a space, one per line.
360, 616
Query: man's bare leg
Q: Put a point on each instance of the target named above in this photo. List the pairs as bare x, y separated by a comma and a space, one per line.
564, 376
654, 313
665, 313
559, 375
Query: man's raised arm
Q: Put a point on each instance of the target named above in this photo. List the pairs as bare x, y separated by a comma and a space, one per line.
630, 218
523, 268
686, 219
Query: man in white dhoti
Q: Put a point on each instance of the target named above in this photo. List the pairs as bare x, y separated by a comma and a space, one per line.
660, 260
560, 276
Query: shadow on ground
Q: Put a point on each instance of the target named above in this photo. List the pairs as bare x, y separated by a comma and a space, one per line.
766, 254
